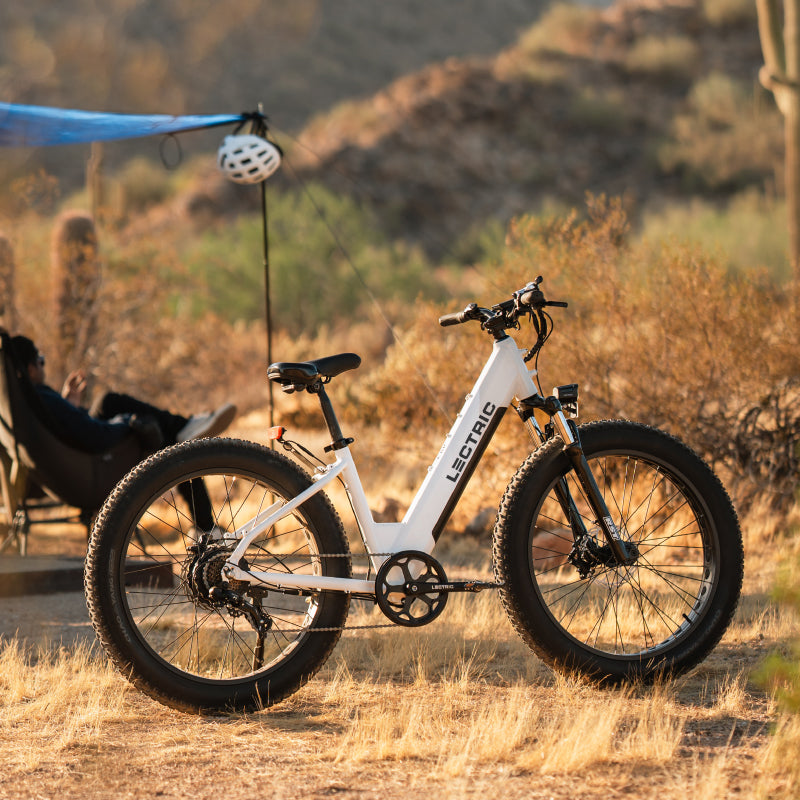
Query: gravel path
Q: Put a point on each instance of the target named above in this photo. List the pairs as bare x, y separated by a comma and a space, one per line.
46, 619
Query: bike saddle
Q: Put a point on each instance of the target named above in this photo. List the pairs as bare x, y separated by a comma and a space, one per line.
304, 373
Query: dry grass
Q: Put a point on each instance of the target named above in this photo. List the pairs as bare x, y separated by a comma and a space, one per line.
460, 708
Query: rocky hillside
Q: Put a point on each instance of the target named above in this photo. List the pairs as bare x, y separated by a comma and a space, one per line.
645, 100
225, 56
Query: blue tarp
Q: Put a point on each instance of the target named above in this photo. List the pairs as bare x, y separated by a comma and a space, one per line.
33, 126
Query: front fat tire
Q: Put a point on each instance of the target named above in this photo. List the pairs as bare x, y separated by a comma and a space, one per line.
659, 618
145, 525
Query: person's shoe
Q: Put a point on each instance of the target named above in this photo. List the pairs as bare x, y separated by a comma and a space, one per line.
195, 533
202, 425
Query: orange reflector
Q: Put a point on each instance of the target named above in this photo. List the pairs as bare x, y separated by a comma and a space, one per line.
276, 432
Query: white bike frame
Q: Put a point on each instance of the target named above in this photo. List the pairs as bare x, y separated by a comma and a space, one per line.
504, 379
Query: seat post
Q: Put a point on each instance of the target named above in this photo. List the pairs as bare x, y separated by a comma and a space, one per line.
338, 439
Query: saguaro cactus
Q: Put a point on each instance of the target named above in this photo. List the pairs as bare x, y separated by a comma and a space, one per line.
76, 271
8, 312
780, 44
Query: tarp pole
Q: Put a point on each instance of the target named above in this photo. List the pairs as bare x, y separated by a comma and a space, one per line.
267, 303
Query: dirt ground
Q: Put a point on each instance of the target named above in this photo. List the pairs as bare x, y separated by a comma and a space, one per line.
313, 746
54, 618
412, 711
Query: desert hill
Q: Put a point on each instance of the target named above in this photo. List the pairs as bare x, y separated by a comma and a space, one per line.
646, 100
651, 100
226, 56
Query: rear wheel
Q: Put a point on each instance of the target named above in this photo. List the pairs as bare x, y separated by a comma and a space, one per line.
156, 592
569, 599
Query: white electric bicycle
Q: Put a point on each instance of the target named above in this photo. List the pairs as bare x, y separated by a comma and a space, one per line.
617, 552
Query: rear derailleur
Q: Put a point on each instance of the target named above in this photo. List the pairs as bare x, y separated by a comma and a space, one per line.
206, 587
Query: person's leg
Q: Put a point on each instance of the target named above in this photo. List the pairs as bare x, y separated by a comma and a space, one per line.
196, 496
175, 427
193, 492
112, 403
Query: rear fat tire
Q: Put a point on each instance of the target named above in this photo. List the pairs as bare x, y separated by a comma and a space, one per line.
661, 617
130, 528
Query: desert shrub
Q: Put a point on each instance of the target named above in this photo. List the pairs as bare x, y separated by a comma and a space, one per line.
728, 137
780, 673
563, 28
142, 184
37, 192
663, 58
604, 111
317, 280
748, 232
146, 346
665, 335
483, 243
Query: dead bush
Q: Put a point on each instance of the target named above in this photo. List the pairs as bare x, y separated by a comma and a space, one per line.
661, 335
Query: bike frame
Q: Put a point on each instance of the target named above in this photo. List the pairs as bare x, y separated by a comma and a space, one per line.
504, 379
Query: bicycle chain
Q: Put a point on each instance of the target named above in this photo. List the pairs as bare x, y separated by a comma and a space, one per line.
351, 627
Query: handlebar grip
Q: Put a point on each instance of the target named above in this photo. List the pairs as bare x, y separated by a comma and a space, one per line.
470, 312
533, 298
452, 319
557, 304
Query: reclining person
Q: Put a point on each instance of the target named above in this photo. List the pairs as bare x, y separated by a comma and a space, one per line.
115, 416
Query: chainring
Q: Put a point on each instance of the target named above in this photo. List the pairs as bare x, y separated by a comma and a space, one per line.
400, 588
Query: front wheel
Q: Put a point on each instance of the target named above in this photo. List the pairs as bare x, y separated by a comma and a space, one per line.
572, 603
158, 597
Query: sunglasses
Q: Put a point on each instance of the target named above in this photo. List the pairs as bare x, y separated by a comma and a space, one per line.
40, 360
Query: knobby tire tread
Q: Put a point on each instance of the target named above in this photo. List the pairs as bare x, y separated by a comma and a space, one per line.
517, 598
119, 642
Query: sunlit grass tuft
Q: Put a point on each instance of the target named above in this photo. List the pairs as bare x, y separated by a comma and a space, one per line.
60, 698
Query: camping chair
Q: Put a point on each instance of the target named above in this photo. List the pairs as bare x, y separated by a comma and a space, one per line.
34, 452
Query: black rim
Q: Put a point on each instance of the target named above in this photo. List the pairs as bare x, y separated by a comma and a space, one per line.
164, 585
627, 612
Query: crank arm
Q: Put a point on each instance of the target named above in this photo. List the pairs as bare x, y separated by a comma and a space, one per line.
414, 589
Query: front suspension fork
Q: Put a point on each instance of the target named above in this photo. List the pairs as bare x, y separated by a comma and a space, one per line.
572, 447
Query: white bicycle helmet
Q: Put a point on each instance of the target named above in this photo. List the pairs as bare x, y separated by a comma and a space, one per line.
247, 158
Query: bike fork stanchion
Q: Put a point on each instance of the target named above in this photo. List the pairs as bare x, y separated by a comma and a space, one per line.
574, 450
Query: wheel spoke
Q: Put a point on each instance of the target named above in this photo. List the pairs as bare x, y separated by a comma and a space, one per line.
623, 610
193, 630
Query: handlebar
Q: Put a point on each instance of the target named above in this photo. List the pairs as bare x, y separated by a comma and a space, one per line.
499, 318
528, 300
